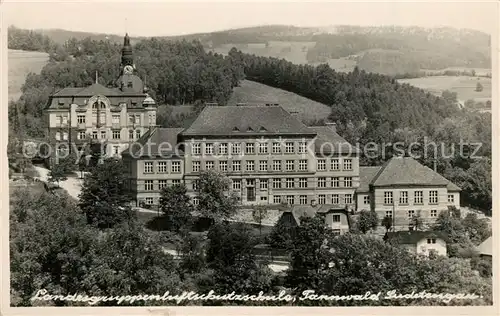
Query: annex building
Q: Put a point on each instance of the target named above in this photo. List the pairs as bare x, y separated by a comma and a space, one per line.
113, 116
269, 155
272, 158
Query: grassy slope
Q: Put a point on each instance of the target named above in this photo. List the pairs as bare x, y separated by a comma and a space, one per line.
21, 63
253, 92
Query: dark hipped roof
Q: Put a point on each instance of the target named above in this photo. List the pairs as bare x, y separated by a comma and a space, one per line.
328, 142
244, 120
366, 175
156, 137
414, 236
89, 91
407, 171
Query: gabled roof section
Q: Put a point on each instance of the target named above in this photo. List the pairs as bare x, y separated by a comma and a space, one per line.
366, 175
407, 171
237, 120
328, 141
163, 141
411, 237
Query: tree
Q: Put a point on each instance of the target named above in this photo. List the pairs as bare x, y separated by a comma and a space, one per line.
451, 224
360, 263
479, 87
367, 220
58, 173
176, 206
478, 230
416, 222
387, 223
308, 254
104, 197
230, 254
259, 213
50, 245
129, 259
217, 202
192, 251
281, 236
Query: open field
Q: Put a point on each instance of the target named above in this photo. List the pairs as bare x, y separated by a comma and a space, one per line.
464, 86
21, 63
254, 92
294, 52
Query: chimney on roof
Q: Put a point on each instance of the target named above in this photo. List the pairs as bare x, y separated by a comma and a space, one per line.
332, 126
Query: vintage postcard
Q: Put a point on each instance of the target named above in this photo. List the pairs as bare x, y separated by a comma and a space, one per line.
251, 157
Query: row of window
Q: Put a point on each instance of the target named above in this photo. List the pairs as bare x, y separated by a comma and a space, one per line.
277, 165
418, 197
175, 167
412, 213
116, 134
334, 164
115, 119
250, 165
262, 147
290, 183
149, 184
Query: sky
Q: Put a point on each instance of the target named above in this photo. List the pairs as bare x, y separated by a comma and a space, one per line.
155, 18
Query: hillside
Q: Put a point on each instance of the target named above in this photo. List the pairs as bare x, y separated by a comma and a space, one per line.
20, 63
464, 86
254, 92
388, 50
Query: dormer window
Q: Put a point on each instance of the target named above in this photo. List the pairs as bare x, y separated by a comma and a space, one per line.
262, 129
61, 102
235, 129
129, 84
249, 129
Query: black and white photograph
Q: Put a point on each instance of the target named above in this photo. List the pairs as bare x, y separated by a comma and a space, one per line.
172, 155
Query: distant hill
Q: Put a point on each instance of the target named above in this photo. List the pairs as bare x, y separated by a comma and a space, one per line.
61, 36
392, 50
252, 92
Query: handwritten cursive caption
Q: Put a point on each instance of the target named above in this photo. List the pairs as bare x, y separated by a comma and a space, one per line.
311, 295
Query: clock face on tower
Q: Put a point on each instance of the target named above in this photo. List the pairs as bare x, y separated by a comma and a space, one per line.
128, 70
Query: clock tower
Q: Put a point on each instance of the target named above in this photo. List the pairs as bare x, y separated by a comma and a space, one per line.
128, 80
127, 62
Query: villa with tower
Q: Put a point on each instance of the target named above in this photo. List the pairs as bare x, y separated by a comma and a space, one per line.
111, 116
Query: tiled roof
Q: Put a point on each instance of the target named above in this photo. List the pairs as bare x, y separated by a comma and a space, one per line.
414, 236
244, 120
486, 247
366, 175
407, 171
328, 141
67, 92
158, 138
98, 88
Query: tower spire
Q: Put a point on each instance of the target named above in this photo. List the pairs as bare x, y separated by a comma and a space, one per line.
96, 76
